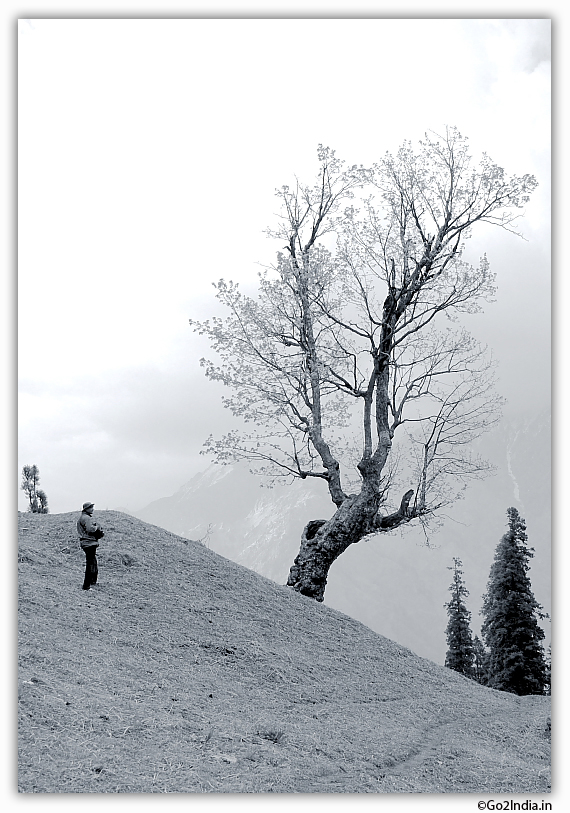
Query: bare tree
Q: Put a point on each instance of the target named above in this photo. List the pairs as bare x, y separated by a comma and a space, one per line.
347, 326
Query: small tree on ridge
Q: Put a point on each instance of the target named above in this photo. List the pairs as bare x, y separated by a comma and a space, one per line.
460, 653
37, 498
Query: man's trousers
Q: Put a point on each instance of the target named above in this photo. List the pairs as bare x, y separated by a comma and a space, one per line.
90, 566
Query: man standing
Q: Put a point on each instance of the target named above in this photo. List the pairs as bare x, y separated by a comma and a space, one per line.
89, 534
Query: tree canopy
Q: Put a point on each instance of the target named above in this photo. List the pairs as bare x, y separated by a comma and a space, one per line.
37, 498
349, 364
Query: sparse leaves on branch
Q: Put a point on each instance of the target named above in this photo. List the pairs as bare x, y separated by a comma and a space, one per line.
344, 345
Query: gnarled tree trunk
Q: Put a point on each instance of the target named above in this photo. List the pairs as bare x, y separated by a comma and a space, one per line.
323, 541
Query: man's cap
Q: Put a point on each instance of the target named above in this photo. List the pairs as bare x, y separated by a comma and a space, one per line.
87, 505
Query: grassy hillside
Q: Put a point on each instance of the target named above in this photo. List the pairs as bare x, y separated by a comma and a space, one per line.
184, 672
394, 583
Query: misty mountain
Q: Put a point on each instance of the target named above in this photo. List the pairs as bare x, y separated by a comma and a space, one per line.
394, 583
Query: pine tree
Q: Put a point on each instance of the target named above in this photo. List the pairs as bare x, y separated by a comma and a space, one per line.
460, 653
510, 629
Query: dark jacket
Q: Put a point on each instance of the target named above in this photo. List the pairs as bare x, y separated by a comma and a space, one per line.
86, 527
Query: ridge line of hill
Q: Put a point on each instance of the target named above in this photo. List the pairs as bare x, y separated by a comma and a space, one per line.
183, 672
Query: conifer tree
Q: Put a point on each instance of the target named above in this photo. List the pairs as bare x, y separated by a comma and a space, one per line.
460, 653
510, 629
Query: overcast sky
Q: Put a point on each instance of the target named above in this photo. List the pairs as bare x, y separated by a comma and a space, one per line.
148, 156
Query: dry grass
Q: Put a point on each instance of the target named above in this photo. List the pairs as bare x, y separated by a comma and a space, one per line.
183, 672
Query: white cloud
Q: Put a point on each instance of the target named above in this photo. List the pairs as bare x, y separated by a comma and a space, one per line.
149, 151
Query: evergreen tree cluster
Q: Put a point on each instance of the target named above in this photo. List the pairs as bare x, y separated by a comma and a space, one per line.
512, 657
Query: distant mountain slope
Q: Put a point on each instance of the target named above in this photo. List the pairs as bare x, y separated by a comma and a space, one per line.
255, 526
183, 672
393, 583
